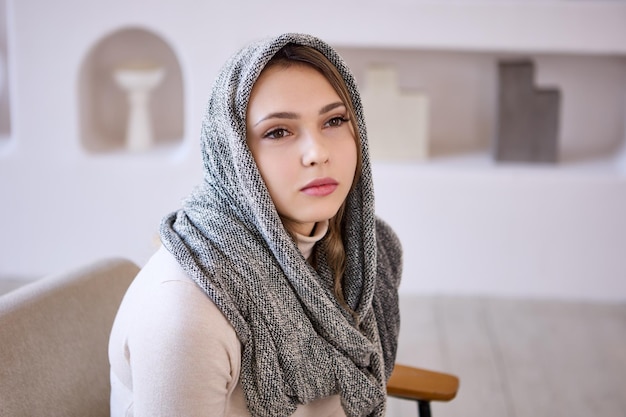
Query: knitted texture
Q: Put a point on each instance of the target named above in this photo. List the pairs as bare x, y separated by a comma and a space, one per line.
298, 343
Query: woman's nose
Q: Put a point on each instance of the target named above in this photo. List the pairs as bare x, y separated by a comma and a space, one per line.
315, 151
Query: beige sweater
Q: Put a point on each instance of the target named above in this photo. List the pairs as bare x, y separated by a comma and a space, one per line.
173, 353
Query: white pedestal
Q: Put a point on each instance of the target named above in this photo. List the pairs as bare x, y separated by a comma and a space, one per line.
138, 84
397, 122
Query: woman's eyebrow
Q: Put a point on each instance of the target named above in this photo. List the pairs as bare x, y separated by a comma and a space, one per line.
292, 115
330, 107
279, 115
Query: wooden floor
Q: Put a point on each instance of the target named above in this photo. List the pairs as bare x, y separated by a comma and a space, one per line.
515, 358
518, 358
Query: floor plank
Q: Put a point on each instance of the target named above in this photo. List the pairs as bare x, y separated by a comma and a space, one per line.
607, 378
519, 358
470, 355
552, 357
420, 344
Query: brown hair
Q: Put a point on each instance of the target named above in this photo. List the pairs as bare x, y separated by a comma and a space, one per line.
293, 54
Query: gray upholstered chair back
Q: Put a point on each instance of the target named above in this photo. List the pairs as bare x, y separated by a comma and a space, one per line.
54, 337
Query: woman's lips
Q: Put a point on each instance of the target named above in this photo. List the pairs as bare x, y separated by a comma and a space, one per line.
320, 187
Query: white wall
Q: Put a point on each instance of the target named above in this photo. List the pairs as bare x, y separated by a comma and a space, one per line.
466, 227
513, 232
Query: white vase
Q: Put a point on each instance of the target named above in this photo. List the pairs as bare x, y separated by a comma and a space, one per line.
138, 84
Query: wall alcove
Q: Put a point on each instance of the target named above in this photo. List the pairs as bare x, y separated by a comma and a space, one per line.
461, 88
104, 106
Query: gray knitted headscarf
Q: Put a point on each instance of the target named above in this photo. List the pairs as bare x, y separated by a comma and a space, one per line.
298, 343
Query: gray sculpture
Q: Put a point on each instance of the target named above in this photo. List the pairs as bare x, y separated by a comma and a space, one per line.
528, 118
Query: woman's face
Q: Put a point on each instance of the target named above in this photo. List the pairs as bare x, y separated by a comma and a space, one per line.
299, 133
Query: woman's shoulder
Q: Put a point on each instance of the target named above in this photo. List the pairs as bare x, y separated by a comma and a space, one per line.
170, 340
162, 267
163, 295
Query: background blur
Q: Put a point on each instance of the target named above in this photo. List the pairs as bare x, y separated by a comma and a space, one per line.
70, 192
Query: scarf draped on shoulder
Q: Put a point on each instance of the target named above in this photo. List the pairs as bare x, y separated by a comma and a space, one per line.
298, 343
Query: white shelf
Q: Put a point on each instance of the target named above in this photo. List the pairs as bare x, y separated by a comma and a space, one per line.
480, 163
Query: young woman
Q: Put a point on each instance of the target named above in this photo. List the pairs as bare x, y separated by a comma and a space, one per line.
275, 291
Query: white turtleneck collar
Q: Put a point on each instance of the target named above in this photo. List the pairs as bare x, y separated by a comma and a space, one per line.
306, 243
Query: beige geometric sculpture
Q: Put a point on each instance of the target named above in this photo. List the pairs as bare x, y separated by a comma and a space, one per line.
397, 122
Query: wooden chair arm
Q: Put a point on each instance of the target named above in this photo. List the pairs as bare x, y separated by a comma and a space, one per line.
421, 385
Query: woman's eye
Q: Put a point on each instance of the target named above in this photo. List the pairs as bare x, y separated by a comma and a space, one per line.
276, 134
337, 121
